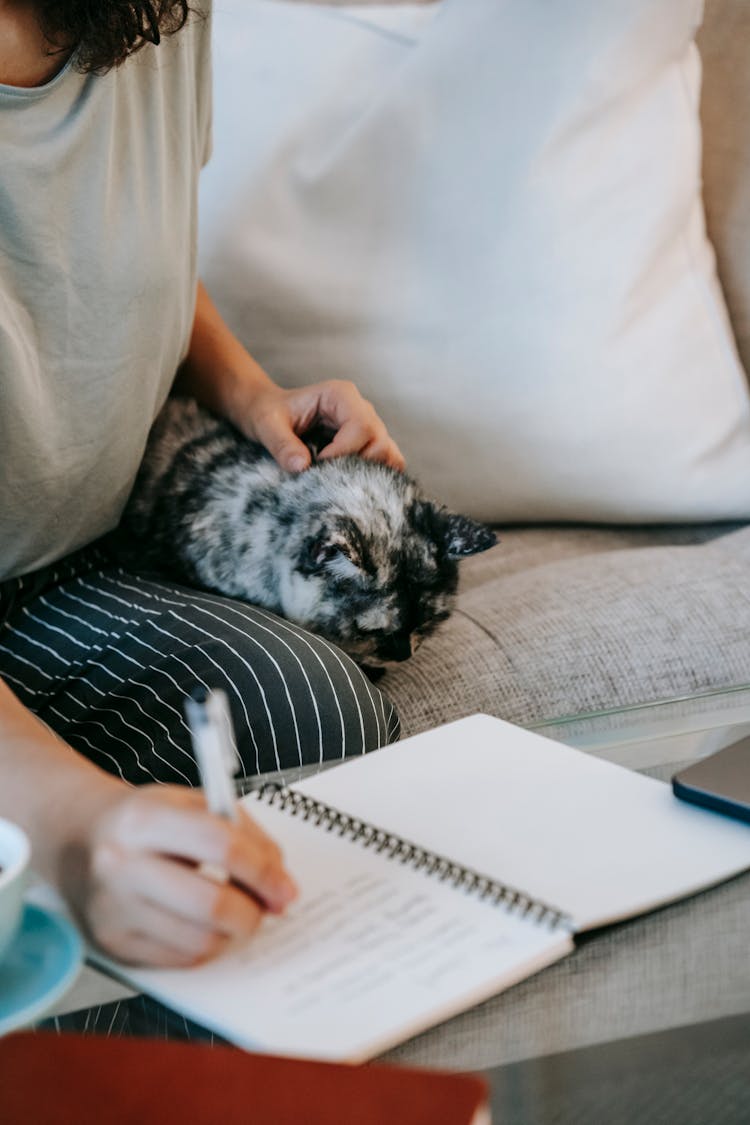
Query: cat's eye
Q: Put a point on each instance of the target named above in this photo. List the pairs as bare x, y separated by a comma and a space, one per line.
328, 551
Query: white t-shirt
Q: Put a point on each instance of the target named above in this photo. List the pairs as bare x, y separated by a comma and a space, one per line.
98, 225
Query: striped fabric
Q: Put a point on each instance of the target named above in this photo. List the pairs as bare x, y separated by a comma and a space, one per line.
106, 659
140, 1015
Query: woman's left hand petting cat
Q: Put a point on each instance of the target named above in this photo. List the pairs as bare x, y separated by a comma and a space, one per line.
275, 417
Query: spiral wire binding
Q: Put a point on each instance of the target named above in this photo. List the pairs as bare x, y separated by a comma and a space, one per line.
413, 855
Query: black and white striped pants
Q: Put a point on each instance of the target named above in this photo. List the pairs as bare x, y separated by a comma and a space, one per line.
106, 659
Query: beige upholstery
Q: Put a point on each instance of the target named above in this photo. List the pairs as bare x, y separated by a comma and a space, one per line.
563, 621
725, 46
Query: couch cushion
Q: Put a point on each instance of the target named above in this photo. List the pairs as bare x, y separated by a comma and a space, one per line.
530, 301
561, 622
724, 43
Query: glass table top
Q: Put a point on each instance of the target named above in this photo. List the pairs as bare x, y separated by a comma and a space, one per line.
640, 737
652, 734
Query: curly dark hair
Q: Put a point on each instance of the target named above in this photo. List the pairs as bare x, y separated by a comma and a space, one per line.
106, 32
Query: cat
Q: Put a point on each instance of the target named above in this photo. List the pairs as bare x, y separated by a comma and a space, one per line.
349, 549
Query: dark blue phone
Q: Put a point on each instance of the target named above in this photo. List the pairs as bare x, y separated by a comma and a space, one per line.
720, 782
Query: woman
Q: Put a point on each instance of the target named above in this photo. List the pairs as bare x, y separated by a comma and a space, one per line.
104, 125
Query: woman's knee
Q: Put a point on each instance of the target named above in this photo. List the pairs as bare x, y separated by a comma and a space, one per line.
295, 699
326, 710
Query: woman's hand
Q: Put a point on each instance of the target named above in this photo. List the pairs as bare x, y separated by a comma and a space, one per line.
221, 374
136, 886
276, 417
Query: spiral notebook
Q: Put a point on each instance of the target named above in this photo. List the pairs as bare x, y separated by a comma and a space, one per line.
436, 873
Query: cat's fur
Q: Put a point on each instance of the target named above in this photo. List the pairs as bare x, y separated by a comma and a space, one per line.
349, 549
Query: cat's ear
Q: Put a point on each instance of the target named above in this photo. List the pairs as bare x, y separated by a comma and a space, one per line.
464, 536
459, 535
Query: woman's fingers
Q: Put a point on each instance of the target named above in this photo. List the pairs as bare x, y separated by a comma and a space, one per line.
384, 450
141, 933
359, 429
274, 430
276, 418
154, 910
353, 437
372, 442
219, 908
144, 898
255, 862
140, 949
170, 822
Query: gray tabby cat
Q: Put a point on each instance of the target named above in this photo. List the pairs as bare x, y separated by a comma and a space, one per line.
350, 549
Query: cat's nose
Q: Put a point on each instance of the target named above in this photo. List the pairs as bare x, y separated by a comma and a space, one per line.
398, 647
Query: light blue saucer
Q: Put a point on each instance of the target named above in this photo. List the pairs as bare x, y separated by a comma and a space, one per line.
40, 966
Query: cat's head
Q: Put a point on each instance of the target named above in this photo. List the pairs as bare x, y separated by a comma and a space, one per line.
369, 561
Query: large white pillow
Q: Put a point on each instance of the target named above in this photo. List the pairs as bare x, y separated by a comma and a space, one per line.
491, 221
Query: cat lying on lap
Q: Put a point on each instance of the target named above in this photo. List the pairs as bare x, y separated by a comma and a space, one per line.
349, 549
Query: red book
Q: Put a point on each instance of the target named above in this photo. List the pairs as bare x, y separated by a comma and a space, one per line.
48, 1079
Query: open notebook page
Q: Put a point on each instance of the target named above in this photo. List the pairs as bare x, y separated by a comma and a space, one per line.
370, 954
596, 840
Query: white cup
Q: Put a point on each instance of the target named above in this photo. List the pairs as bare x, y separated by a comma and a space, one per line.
15, 852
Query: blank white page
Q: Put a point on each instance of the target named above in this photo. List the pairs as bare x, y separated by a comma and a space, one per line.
596, 840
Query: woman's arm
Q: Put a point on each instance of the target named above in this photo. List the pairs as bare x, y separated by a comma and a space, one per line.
221, 374
126, 859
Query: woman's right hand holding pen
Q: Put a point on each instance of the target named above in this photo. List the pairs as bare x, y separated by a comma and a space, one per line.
127, 860
133, 876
